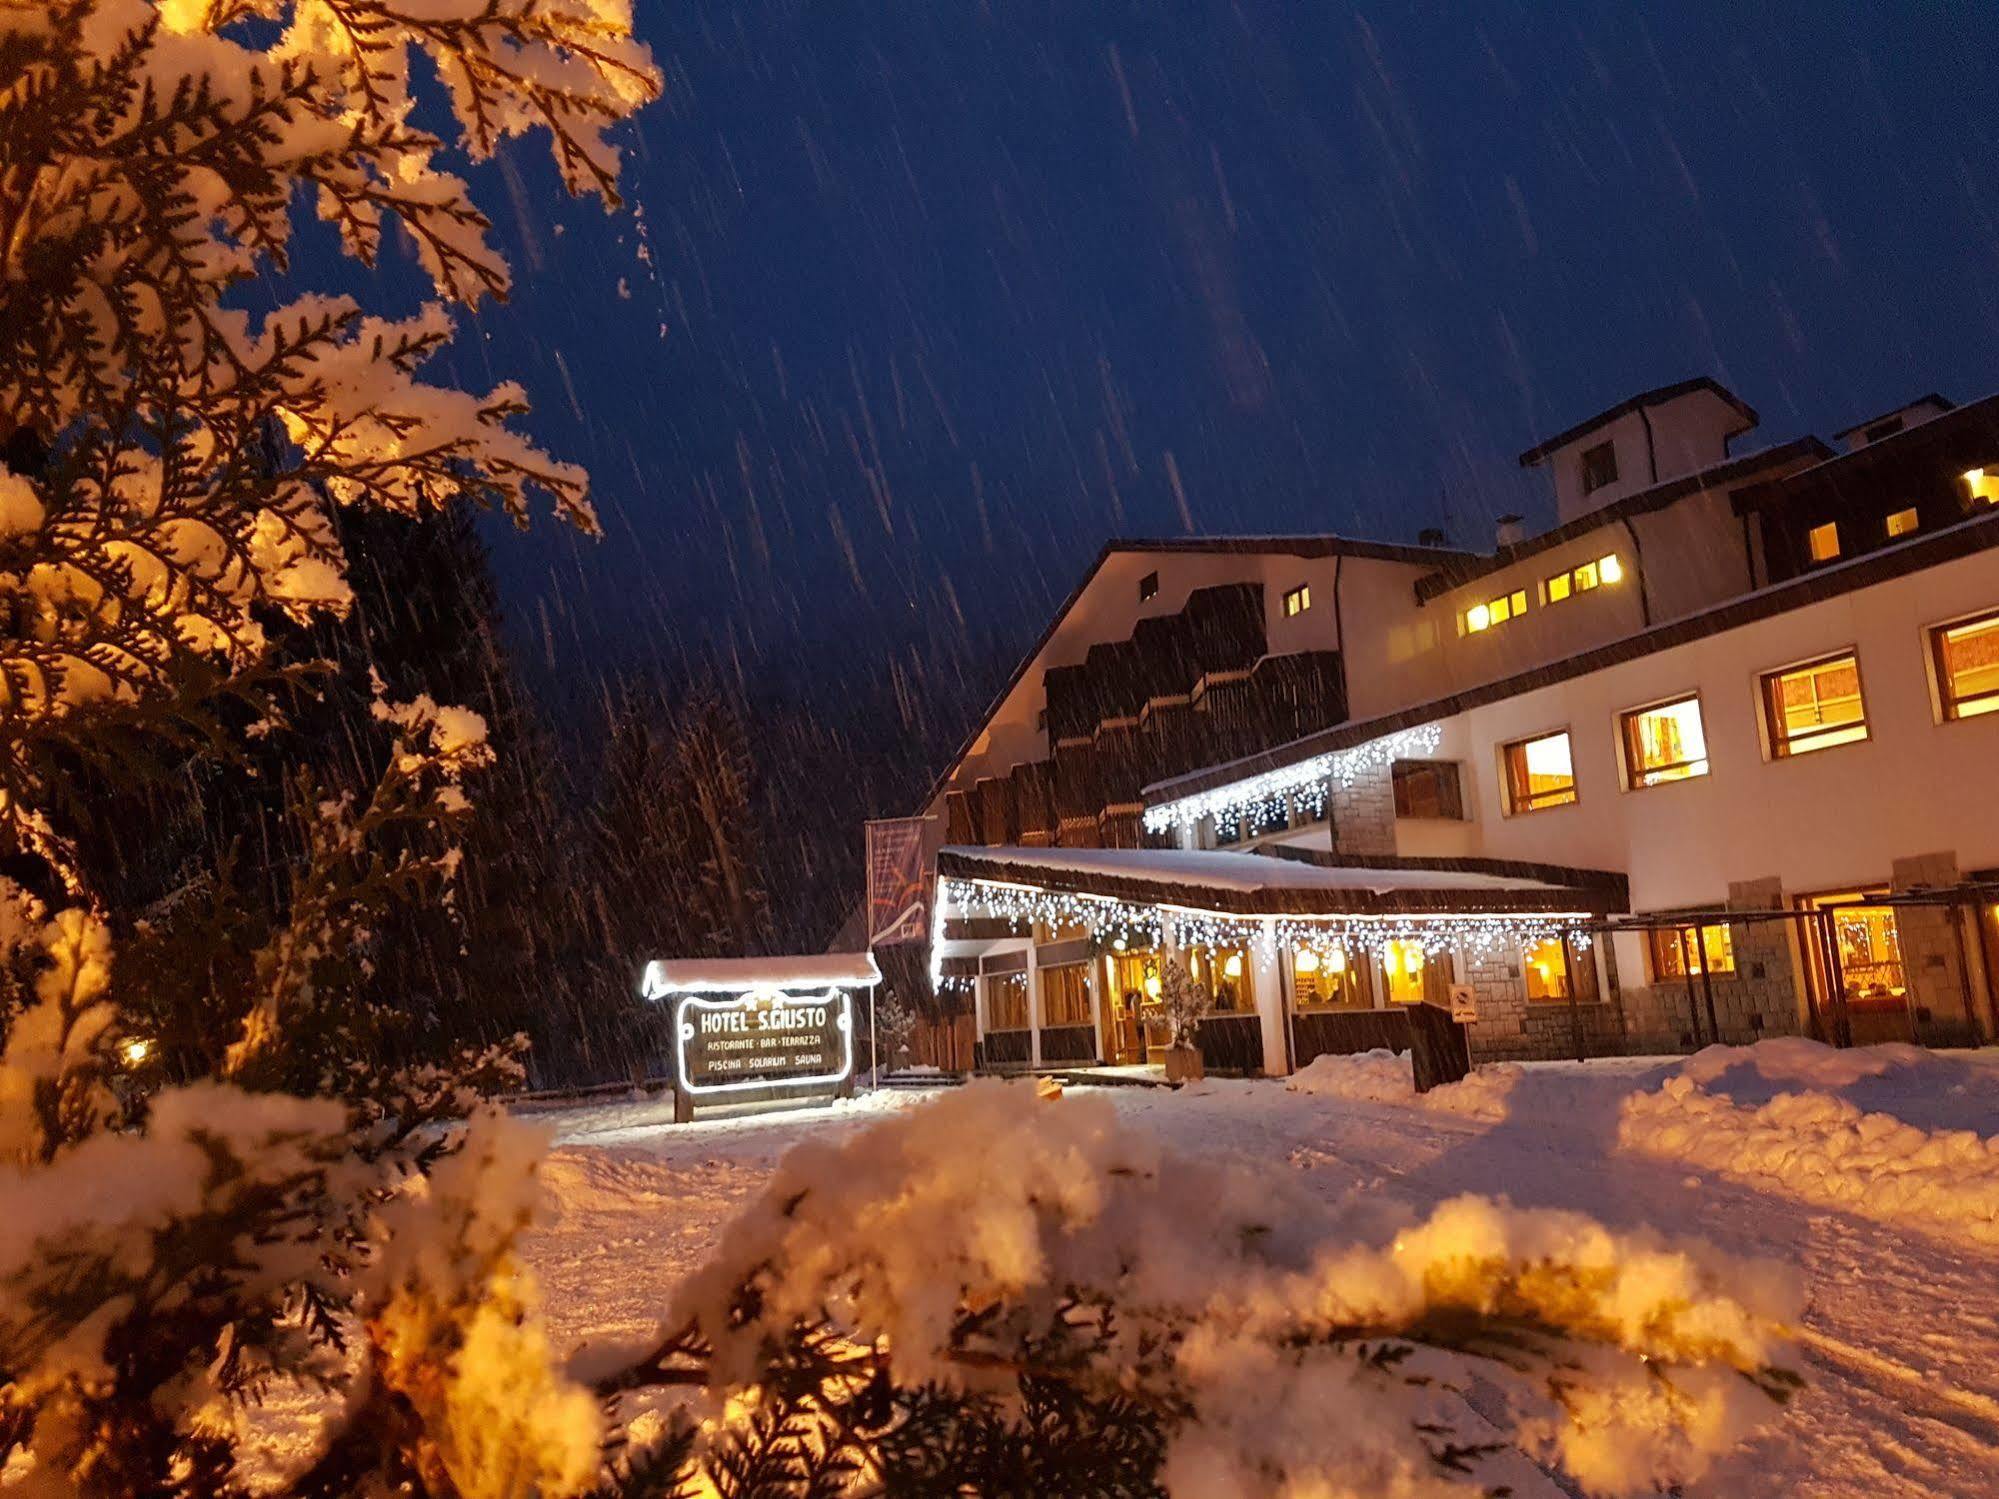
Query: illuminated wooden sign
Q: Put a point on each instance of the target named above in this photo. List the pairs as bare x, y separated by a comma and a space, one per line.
767, 1042
766, 1030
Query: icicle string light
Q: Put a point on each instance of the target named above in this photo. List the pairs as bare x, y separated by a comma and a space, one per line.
1266, 797
1476, 935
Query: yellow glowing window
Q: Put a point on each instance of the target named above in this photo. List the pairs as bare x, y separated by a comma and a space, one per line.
1902, 522
1609, 569
1983, 484
1327, 979
1406, 968
1823, 542
1519, 598
1501, 611
1676, 953
1298, 600
1477, 618
1815, 706
1480, 617
1540, 773
1665, 743
1548, 972
1585, 577
1224, 973
1558, 588
1967, 666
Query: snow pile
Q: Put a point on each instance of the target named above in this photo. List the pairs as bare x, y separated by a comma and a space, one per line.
1383, 1076
987, 1228
1823, 1148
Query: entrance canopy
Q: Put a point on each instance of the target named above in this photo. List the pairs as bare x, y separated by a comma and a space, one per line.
996, 896
825, 970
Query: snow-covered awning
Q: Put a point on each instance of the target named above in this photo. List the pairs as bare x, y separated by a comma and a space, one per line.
825, 970
1251, 884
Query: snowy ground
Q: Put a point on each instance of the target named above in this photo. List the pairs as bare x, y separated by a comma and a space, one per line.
1902, 1330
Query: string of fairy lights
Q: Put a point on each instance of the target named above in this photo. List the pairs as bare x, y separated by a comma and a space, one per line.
1268, 798
1331, 940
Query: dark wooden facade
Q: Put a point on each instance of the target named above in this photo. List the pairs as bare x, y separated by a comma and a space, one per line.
1186, 690
1921, 469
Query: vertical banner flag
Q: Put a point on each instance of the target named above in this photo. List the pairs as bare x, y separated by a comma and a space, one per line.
898, 894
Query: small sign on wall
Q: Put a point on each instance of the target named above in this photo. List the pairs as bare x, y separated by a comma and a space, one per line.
1464, 1004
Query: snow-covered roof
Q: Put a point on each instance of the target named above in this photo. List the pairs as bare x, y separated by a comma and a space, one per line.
1258, 882
843, 970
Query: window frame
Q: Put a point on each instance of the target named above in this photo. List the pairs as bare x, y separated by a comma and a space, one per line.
1696, 931
1593, 478
1574, 962
1912, 513
1514, 808
1812, 557
1946, 705
987, 981
1634, 776
1456, 797
1083, 967
1301, 596
1777, 743
1148, 587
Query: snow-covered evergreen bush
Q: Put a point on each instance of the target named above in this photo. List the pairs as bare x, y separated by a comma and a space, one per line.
998, 1294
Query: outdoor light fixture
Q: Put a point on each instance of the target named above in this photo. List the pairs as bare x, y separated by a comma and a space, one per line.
1233, 967
1610, 570
135, 1051
1305, 960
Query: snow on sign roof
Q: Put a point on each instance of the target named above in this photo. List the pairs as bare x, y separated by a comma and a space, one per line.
840, 970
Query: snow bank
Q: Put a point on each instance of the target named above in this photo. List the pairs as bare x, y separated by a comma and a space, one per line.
1383, 1076
1823, 1148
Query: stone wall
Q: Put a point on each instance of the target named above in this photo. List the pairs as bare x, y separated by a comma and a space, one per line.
1513, 1028
1936, 942
1764, 996
1363, 814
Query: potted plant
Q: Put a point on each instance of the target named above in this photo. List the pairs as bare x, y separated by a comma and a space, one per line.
1183, 1004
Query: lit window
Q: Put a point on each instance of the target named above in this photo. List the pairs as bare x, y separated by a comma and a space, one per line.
1224, 973
1427, 789
1599, 467
1540, 773
1815, 706
1148, 587
1409, 971
1553, 973
1902, 522
1665, 743
1870, 948
1823, 541
1298, 600
1983, 484
1585, 576
1676, 953
1492, 612
1327, 979
1967, 666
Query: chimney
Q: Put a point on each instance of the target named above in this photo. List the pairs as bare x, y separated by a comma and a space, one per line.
1511, 533
1432, 536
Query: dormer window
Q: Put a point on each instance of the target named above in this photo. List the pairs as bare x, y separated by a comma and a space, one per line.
1297, 600
1148, 587
1599, 466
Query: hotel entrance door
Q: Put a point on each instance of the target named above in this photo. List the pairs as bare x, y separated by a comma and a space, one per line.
1134, 985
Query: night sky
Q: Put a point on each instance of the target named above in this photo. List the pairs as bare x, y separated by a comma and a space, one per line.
916, 304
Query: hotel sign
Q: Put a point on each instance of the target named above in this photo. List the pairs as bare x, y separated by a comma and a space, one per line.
766, 1041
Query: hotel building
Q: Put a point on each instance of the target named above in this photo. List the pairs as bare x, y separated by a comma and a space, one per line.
1706, 760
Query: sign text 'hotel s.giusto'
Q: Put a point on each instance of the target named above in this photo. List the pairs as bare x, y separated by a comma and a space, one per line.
764, 1039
